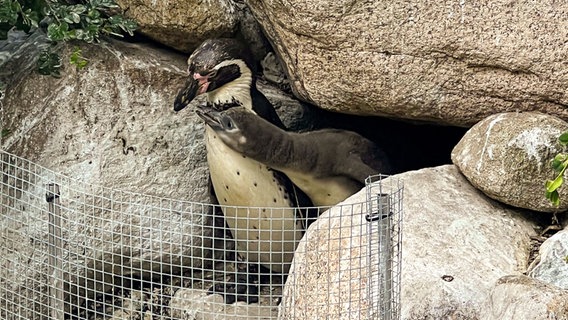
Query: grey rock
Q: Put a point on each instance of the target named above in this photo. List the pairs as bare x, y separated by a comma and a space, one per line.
182, 25
296, 115
507, 157
551, 265
189, 304
521, 297
272, 70
454, 64
111, 130
251, 32
456, 244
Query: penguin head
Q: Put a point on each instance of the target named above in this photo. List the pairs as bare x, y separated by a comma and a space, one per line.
222, 68
237, 127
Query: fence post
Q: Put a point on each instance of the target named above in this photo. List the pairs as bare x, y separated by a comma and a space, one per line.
383, 217
56, 286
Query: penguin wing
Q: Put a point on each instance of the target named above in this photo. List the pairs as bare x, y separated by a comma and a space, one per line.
262, 106
368, 160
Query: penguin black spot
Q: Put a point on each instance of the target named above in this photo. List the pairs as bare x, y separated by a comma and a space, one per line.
244, 156
255, 184
263, 210
279, 188
227, 187
238, 173
274, 200
285, 197
225, 199
255, 227
329, 194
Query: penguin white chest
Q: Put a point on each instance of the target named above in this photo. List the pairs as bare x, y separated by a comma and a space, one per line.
323, 191
268, 236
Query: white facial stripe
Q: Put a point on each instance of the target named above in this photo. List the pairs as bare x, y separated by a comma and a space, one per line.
238, 89
245, 71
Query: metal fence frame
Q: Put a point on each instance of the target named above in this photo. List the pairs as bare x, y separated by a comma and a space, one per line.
42, 281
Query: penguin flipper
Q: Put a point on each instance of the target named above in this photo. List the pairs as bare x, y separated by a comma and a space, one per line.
264, 108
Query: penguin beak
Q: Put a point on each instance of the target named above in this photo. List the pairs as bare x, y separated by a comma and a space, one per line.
195, 85
187, 94
211, 117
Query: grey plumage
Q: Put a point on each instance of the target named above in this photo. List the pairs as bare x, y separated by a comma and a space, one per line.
328, 165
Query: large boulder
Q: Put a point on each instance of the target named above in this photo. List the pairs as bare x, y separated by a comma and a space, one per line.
507, 156
522, 297
456, 244
551, 265
182, 25
454, 64
108, 127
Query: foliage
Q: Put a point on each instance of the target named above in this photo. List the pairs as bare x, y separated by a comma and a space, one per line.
4, 133
85, 20
21, 14
559, 164
49, 63
76, 58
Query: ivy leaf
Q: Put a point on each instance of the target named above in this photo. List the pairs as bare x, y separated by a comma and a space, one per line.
553, 197
49, 63
563, 139
72, 17
78, 9
9, 12
104, 3
5, 132
77, 58
31, 18
57, 32
554, 184
559, 162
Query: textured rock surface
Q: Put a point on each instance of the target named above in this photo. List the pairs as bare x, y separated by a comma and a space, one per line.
455, 64
507, 157
182, 25
521, 297
197, 304
456, 244
552, 264
111, 124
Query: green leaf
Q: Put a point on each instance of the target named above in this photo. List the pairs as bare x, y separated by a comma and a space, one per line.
31, 18
72, 18
563, 139
553, 197
77, 58
555, 184
49, 63
106, 4
557, 165
78, 9
9, 12
57, 32
94, 14
5, 132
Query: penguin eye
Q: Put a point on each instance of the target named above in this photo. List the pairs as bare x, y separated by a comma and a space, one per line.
228, 123
212, 73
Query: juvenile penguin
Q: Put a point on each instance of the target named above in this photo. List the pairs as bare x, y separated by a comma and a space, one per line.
223, 70
329, 165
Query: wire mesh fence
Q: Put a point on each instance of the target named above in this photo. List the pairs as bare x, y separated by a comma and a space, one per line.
72, 250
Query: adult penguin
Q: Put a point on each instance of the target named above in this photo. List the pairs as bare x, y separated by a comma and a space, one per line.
222, 69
